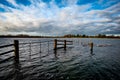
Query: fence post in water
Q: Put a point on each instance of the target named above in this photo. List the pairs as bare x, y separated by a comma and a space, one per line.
16, 52
48, 46
30, 50
91, 46
55, 44
64, 44
40, 47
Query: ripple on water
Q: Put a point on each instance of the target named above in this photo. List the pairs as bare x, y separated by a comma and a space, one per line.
76, 63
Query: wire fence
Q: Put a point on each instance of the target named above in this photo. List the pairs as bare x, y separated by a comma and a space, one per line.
31, 50
25, 51
6, 52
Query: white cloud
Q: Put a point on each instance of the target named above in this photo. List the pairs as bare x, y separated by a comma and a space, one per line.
41, 18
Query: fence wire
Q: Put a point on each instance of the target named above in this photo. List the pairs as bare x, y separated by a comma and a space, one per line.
32, 50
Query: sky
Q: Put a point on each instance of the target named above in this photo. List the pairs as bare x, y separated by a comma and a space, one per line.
59, 17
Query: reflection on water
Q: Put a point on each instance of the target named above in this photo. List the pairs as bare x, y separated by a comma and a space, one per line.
91, 52
55, 53
17, 73
77, 62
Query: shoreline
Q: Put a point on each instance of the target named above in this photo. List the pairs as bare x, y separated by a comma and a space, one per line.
56, 37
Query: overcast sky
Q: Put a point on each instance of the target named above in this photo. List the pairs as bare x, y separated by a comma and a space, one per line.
59, 17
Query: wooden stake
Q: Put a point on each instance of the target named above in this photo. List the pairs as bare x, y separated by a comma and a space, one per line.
91, 45
16, 52
48, 46
64, 44
40, 47
55, 44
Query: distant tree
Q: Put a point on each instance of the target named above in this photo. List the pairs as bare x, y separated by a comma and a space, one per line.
83, 35
78, 35
101, 35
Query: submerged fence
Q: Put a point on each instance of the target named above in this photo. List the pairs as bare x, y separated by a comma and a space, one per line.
17, 46
15, 50
64, 44
6, 52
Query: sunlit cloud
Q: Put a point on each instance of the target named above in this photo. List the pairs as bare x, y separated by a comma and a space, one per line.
67, 17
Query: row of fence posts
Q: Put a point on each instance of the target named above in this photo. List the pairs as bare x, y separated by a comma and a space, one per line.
16, 46
16, 51
64, 44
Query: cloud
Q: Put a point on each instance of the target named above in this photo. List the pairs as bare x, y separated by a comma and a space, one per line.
41, 18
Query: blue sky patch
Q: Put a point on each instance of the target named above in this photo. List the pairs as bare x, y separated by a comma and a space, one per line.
82, 2
24, 2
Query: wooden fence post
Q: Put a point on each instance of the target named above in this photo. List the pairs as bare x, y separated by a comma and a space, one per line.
91, 46
48, 46
30, 50
64, 44
55, 44
40, 47
16, 52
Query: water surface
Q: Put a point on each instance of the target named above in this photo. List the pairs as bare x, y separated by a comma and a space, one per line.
77, 62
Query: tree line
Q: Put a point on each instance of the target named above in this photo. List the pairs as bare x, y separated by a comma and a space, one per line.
64, 36
87, 36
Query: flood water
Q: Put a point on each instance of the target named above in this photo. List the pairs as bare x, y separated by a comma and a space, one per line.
77, 62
